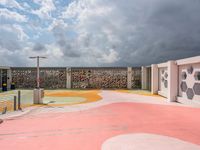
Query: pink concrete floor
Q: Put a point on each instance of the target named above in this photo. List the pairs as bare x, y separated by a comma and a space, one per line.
87, 130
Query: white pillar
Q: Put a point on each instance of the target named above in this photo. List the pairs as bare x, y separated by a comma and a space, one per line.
9, 78
144, 78
154, 79
172, 81
68, 76
129, 77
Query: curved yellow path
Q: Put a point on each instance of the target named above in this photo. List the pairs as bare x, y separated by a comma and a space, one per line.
88, 96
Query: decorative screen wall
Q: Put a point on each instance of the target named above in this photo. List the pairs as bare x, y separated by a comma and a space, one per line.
24, 77
189, 82
99, 78
80, 78
50, 78
53, 78
163, 81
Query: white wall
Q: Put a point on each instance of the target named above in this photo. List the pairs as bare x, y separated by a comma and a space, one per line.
189, 85
177, 80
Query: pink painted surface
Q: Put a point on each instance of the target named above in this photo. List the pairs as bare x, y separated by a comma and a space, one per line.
87, 130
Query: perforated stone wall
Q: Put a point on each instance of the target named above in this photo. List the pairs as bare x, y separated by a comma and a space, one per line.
189, 81
50, 78
77, 78
84, 78
163, 81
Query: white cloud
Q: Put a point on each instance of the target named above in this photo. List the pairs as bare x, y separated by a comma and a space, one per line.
11, 38
45, 10
103, 32
111, 57
11, 15
73, 9
83, 9
53, 50
26, 5
11, 4
21, 34
94, 37
57, 23
16, 30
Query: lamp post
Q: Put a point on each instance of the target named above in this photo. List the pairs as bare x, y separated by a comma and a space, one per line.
38, 93
38, 68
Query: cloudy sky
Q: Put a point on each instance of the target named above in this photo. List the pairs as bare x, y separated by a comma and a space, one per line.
98, 32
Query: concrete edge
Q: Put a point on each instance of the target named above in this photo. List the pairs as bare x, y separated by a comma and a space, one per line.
15, 114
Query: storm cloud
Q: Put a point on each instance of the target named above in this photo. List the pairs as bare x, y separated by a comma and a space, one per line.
118, 32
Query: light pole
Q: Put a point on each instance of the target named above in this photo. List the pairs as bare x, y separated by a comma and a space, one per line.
38, 68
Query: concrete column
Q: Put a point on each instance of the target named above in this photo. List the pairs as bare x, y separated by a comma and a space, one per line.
129, 77
38, 95
9, 78
172, 81
144, 78
154, 79
68, 76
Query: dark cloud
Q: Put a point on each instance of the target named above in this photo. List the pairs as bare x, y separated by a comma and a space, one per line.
142, 32
66, 45
39, 47
166, 30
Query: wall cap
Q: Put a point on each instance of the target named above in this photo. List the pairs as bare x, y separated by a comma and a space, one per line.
4, 67
191, 60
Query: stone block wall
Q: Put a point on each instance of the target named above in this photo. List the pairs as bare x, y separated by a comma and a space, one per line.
77, 78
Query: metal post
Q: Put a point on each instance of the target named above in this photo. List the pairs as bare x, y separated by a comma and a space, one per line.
19, 100
15, 103
38, 69
38, 72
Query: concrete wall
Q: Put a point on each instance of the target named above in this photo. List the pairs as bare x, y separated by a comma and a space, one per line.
177, 80
189, 81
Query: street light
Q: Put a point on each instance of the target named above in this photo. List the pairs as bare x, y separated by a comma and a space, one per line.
38, 68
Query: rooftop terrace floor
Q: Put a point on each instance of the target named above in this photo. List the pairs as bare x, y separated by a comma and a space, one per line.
107, 120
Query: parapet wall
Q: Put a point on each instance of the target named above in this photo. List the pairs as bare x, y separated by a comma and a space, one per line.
78, 78
177, 80
99, 78
189, 79
49, 77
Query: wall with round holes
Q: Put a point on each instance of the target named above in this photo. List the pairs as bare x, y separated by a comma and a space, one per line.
163, 81
189, 82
